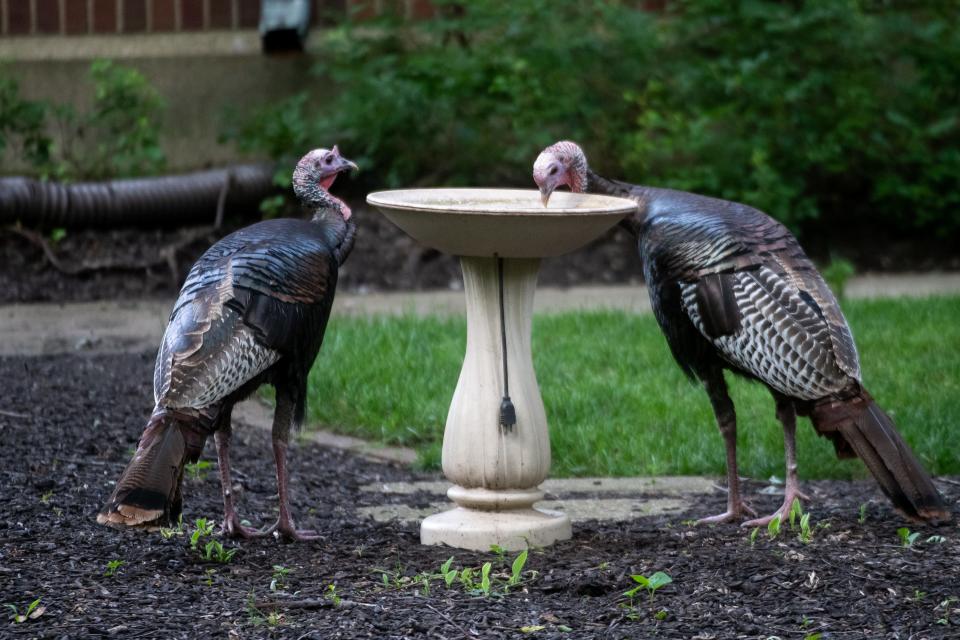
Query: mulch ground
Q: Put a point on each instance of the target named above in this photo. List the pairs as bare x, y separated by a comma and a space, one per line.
68, 424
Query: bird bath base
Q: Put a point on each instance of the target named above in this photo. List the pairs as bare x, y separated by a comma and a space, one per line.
496, 468
515, 526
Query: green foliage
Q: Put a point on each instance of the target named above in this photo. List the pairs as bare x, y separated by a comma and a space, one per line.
33, 611
837, 273
168, 532
906, 537
651, 584
773, 527
485, 580
198, 470
22, 128
118, 135
201, 528
469, 96
279, 579
848, 111
112, 568
214, 551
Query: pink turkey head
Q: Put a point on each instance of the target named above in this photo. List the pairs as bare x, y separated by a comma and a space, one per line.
316, 171
562, 163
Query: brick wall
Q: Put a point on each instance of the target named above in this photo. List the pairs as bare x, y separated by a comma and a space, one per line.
75, 17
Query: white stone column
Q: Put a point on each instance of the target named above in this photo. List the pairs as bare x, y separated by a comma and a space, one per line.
495, 470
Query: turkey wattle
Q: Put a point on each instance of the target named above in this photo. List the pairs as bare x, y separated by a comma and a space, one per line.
252, 311
732, 289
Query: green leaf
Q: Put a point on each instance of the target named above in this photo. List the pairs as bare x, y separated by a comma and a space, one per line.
517, 567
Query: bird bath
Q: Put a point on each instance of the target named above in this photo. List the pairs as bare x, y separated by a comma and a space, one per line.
500, 236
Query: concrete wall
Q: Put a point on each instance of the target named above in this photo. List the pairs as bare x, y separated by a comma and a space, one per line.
199, 76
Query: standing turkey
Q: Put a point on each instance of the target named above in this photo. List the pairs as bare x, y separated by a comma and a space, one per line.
732, 289
252, 311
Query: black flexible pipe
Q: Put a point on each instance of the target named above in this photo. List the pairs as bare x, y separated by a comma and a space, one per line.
159, 201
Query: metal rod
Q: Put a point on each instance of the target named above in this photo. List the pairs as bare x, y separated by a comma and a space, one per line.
508, 414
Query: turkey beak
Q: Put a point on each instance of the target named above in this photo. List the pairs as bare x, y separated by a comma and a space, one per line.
545, 193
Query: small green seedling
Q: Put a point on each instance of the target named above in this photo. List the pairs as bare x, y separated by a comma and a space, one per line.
210, 573
449, 575
906, 537
516, 569
753, 536
57, 234
279, 579
651, 584
167, 532
813, 636
45, 498
863, 513
500, 552
214, 551
773, 527
112, 567
806, 533
201, 529
485, 578
796, 511
198, 470
331, 595
34, 610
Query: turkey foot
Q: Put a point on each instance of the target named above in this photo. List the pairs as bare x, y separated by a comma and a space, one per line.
736, 510
233, 528
791, 494
285, 528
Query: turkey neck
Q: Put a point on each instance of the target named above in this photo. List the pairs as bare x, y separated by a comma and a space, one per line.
328, 212
643, 196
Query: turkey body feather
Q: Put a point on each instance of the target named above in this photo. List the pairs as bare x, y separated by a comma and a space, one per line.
253, 310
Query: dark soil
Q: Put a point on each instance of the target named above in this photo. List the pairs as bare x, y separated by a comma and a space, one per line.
67, 427
383, 259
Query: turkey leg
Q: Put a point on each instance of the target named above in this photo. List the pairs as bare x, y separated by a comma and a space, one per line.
231, 521
787, 416
726, 416
282, 422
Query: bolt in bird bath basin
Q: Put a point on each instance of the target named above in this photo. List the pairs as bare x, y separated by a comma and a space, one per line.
496, 447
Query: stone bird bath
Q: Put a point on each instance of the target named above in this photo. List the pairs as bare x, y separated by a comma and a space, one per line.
496, 447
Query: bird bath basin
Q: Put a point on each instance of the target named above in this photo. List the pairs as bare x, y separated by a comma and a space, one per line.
500, 236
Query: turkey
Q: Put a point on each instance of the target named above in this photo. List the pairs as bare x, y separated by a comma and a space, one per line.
252, 311
732, 289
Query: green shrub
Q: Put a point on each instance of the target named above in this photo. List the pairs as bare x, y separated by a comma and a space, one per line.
119, 135
22, 122
849, 110
844, 111
469, 96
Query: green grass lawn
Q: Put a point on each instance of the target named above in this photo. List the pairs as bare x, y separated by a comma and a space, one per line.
617, 403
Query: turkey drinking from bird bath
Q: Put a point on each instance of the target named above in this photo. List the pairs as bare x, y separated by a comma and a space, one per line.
496, 447
732, 290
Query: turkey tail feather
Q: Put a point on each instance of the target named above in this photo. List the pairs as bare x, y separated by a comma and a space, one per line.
874, 438
148, 491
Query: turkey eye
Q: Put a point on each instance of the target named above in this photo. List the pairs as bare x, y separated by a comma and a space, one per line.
329, 160
553, 170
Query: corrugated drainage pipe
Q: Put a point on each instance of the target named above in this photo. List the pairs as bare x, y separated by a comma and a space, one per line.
193, 198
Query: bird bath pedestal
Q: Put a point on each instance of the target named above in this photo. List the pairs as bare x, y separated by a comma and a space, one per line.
499, 234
